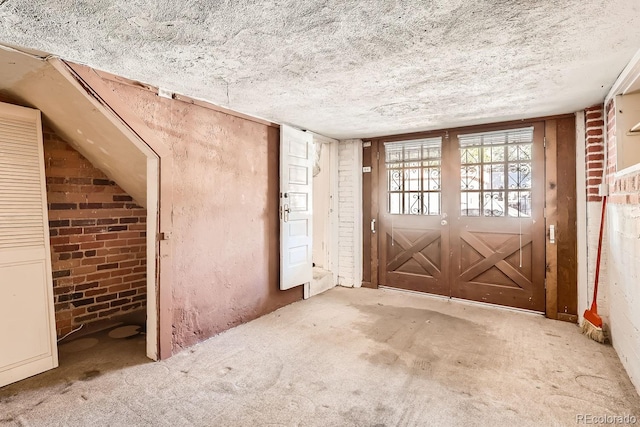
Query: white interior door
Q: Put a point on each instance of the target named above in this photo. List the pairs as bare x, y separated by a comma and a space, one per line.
27, 335
296, 201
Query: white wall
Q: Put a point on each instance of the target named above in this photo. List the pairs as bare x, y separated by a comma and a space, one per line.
624, 285
594, 212
350, 213
623, 230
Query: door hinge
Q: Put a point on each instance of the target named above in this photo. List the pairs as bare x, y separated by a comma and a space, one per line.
377, 155
544, 142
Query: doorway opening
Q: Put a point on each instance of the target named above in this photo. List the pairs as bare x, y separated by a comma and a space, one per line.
324, 215
98, 249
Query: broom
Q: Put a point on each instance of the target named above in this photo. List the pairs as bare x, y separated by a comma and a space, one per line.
592, 324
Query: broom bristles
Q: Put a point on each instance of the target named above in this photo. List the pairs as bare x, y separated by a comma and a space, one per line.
592, 331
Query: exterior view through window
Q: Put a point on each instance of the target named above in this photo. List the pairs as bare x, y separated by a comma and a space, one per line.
495, 173
413, 177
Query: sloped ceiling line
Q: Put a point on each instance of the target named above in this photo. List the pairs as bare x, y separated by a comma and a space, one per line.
36, 82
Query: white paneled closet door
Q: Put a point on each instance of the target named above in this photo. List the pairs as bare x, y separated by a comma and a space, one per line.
27, 324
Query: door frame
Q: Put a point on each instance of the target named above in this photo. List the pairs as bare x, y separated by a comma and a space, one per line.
159, 164
159, 188
332, 229
560, 142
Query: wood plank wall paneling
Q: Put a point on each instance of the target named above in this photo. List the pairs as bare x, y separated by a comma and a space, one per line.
367, 256
370, 211
551, 210
375, 206
566, 221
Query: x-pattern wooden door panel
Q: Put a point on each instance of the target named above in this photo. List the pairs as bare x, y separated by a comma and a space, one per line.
415, 260
496, 267
409, 256
479, 257
484, 240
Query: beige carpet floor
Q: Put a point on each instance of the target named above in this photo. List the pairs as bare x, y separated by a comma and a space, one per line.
348, 357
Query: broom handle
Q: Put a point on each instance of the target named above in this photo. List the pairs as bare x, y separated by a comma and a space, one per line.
594, 304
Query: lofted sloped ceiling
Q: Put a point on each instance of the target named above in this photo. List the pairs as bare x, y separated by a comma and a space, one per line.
34, 82
347, 68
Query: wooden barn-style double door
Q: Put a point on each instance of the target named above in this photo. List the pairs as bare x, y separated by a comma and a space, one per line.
461, 214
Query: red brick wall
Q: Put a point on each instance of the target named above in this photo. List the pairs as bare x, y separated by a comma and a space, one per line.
594, 156
98, 240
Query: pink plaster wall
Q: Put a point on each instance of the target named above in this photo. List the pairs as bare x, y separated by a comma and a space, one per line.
225, 238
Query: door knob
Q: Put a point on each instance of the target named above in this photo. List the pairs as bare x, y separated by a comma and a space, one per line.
443, 222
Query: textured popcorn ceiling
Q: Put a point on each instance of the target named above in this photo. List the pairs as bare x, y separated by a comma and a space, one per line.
348, 68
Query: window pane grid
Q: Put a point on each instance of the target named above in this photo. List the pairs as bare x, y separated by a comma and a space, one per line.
495, 173
413, 177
